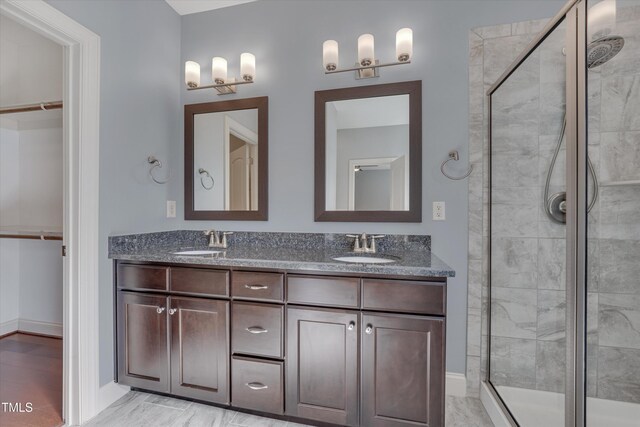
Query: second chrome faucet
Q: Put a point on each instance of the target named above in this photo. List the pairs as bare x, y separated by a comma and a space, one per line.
361, 242
217, 239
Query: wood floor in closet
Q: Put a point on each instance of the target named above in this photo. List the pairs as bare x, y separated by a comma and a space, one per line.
31, 371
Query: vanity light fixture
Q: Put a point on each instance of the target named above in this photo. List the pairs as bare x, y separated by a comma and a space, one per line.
367, 66
221, 82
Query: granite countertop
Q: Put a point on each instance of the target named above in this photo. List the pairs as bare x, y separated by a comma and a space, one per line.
283, 251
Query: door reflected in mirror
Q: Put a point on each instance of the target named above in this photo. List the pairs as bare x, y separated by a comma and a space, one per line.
367, 149
225, 157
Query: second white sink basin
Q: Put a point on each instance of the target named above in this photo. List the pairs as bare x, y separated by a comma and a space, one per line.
201, 252
364, 259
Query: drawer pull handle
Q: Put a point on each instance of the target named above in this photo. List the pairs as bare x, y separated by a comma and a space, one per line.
256, 330
256, 287
257, 386
351, 326
160, 310
172, 311
368, 330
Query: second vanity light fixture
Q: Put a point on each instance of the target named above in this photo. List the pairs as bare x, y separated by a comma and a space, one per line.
222, 83
367, 66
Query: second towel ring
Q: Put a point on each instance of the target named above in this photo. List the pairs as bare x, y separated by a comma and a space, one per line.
206, 174
453, 155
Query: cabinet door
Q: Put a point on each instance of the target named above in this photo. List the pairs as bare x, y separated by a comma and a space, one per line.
199, 349
143, 355
403, 371
322, 365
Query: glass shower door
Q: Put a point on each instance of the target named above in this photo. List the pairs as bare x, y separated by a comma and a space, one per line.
613, 225
527, 329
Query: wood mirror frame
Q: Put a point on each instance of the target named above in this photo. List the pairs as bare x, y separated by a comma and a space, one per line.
190, 110
414, 214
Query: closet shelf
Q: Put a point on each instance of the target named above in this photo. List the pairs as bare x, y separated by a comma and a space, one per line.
29, 233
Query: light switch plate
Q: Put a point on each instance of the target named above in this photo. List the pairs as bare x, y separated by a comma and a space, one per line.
171, 208
438, 211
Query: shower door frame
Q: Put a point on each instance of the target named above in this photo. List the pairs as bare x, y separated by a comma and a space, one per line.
574, 13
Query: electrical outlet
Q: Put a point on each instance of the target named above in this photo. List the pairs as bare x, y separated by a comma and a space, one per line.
438, 211
171, 208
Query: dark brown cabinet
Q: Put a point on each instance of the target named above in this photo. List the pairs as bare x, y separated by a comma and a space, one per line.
322, 365
143, 358
199, 349
402, 371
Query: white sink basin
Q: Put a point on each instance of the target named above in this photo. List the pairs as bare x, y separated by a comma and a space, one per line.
364, 259
202, 252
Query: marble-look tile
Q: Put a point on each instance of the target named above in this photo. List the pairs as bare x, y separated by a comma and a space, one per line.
552, 307
619, 266
493, 31
513, 312
620, 155
621, 205
476, 46
473, 376
500, 52
515, 170
119, 409
474, 291
552, 59
593, 264
515, 212
619, 374
248, 420
146, 415
198, 415
465, 412
169, 402
514, 262
474, 319
620, 103
592, 318
627, 61
552, 260
532, 27
550, 365
592, 370
513, 362
552, 108
619, 320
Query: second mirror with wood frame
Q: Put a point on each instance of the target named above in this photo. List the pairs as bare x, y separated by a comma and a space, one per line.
368, 153
226, 160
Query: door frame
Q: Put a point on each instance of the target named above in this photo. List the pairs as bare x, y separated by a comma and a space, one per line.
235, 128
82, 396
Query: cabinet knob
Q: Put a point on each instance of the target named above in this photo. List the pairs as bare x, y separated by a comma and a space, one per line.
172, 311
256, 330
368, 330
257, 386
351, 326
256, 287
160, 310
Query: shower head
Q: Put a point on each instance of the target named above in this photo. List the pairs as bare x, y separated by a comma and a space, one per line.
603, 49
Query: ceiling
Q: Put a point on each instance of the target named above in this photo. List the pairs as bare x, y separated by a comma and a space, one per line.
186, 7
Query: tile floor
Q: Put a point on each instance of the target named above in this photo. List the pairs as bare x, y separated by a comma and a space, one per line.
143, 409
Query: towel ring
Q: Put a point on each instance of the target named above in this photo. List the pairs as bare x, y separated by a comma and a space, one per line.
453, 155
156, 164
206, 175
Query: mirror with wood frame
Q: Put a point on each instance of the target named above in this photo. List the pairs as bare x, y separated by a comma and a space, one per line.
226, 146
368, 153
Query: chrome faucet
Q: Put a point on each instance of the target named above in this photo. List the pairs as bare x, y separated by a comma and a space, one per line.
215, 241
361, 242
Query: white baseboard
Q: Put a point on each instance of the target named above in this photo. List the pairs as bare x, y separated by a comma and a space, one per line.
8, 327
36, 327
109, 393
491, 406
456, 384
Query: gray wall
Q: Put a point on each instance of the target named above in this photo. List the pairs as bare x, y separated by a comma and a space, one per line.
142, 86
139, 116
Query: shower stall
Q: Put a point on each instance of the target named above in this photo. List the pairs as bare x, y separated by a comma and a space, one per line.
562, 298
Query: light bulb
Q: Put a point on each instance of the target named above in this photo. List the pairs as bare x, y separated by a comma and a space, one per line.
365, 50
404, 44
219, 70
192, 74
248, 67
330, 55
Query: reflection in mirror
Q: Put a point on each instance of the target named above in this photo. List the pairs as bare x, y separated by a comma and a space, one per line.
226, 160
368, 153
367, 149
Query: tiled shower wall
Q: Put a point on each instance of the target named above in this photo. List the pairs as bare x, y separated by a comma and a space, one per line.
528, 265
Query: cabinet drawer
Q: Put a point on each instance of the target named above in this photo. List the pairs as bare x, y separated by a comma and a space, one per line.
404, 296
150, 277
257, 385
258, 286
257, 329
324, 291
200, 281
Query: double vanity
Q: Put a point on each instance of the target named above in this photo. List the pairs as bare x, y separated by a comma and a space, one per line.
276, 324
